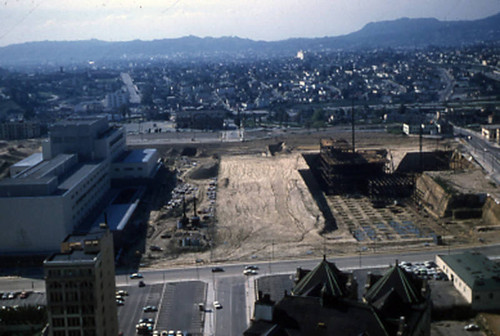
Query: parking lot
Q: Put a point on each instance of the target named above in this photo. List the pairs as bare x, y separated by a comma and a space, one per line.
16, 298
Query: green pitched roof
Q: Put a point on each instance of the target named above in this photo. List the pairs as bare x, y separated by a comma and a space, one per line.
325, 276
396, 282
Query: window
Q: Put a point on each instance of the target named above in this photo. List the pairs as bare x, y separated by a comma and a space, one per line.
73, 321
72, 309
58, 322
491, 296
56, 297
478, 298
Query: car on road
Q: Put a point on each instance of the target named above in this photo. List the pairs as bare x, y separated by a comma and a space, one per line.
150, 309
136, 276
252, 267
142, 284
217, 305
144, 328
122, 292
250, 272
120, 302
217, 269
147, 320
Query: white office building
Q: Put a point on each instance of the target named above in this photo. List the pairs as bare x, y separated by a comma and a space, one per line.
48, 196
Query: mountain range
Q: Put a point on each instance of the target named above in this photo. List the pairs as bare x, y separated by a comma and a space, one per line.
400, 33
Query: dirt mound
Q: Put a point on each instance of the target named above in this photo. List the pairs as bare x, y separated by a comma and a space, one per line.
205, 171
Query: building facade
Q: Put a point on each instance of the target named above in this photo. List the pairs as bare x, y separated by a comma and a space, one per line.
19, 130
475, 277
324, 302
47, 197
80, 286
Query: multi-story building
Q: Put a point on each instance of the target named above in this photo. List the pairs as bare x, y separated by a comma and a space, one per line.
116, 99
49, 196
80, 286
19, 130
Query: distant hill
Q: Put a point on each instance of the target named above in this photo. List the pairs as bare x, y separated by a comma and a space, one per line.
397, 33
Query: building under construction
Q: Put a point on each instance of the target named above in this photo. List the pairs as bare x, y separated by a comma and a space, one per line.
347, 171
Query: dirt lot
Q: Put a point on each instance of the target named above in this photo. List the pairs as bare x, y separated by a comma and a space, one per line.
14, 151
264, 210
264, 201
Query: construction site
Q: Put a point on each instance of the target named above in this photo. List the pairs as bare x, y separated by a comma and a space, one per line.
301, 196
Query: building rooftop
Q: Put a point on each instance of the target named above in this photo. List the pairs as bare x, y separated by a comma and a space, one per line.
139, 155
325, 276
475, 269
73, 256
78, 122
81, 172
47, 167
31, 160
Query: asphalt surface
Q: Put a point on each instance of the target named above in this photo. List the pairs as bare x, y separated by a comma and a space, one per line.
177, 292
177, 305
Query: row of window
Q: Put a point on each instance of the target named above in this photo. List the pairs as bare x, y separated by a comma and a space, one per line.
128, 169
90, 332
67, 272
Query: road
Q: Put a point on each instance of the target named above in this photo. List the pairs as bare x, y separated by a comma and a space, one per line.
135, 98
233, 289
484, 152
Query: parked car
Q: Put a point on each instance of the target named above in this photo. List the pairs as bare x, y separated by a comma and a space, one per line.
155, 248
471, 327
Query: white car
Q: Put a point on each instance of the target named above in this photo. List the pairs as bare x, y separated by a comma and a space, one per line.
250, 272
217, 305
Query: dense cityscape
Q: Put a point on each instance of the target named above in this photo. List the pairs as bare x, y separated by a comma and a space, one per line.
327, 192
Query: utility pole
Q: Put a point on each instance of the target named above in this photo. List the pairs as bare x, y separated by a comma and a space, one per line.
352, 123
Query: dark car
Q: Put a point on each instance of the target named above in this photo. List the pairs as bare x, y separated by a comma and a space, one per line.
217, 269
142, 284
149, 309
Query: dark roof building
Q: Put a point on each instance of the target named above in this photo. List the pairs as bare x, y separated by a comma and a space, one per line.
324, 302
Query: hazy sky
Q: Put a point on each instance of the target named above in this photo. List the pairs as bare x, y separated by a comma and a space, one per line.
36, 20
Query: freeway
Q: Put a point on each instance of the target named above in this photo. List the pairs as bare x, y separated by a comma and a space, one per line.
484, 152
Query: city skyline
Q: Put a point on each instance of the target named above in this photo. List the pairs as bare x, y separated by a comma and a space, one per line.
258, 20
